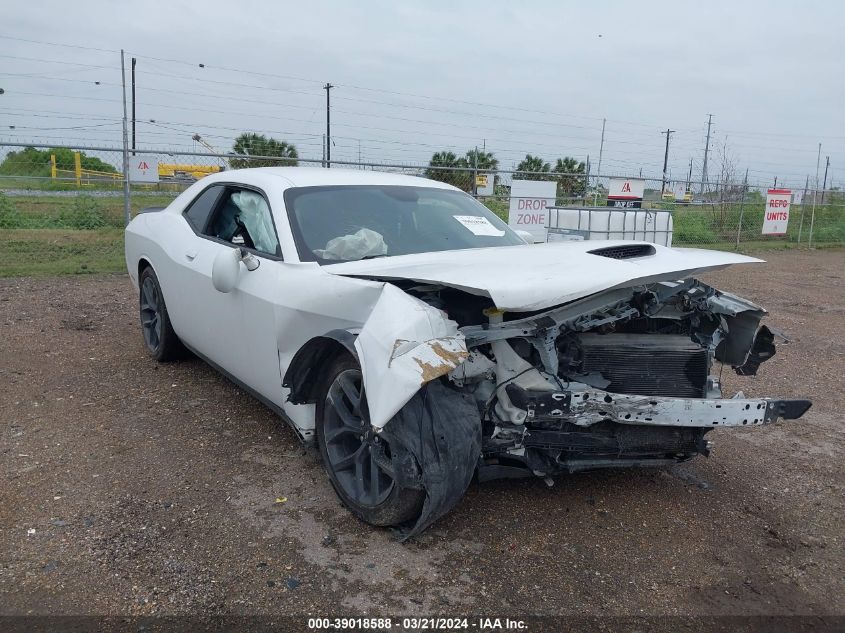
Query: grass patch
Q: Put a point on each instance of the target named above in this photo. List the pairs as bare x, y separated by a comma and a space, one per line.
498, 206
71, 212
34, 252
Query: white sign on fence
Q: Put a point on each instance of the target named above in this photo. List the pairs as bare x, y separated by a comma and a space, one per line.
776, 217
625, 193
143, 169
530, 200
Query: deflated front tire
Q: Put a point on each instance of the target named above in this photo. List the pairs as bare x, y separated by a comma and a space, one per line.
357, 460
412, 472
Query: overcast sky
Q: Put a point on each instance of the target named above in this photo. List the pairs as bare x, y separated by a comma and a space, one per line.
415, 77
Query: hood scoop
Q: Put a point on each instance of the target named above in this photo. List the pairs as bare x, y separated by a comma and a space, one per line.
625, 251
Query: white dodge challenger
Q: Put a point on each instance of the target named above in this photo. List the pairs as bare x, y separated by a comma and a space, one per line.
419, 341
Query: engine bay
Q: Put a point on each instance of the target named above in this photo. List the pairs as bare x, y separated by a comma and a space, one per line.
620, 378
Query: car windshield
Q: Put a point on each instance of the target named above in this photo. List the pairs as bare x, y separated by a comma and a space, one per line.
351, 222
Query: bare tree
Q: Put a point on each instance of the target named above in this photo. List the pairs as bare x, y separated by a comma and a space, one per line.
729, 187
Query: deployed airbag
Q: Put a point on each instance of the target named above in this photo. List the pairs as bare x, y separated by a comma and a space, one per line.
255, 216
362, 243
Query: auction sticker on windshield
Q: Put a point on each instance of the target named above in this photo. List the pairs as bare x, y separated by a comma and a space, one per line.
479, 225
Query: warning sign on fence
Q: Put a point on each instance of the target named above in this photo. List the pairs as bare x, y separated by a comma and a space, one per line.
776, 217
142, 169
625, 193
484, 184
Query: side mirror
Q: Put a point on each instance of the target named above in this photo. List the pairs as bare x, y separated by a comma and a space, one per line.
225, 270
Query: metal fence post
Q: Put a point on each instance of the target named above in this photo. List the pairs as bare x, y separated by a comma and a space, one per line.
803, 202
127, 216
815, 194
812, 221
475, 172
741, 208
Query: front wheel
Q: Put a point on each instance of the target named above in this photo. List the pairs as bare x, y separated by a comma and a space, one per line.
357, 459
159, 336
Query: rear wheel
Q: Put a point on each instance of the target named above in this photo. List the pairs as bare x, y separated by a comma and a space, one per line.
357, 459
159, 336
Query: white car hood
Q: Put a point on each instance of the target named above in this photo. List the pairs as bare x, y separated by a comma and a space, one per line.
538, 276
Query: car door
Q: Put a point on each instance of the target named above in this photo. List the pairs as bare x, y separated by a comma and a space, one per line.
234, 330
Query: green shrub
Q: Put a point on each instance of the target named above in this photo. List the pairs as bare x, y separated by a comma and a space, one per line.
497, 206
10, 217
834, 233
692, 228
83, 214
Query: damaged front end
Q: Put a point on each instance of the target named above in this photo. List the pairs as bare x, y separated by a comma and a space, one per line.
618, 379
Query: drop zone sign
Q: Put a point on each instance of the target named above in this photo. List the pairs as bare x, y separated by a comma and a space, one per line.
776, 218
530, 200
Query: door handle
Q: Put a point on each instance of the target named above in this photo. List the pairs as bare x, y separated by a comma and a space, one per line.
190, 255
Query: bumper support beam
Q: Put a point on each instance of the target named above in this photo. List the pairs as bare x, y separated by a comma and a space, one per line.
587, 406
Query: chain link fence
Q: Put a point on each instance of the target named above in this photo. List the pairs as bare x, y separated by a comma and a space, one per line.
63, 209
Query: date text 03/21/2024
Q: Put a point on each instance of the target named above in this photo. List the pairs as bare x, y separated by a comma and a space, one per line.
419, 623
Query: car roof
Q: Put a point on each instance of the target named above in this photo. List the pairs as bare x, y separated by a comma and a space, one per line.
318, 176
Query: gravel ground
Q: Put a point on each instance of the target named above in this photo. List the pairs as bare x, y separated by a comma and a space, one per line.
131, 488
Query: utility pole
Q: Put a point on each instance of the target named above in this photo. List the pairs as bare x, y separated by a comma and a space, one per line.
601, 147
126, 213
824, 185
133, 105
775, 186
706, 151
586, 179
689, 178
323, 164
328, 88
668, 133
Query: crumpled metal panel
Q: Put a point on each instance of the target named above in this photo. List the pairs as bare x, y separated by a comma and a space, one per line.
404, 344
539, 276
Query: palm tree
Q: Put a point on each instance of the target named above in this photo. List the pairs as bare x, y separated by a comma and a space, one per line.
532, 168
252, 145
481, 160
455, 173
569, 186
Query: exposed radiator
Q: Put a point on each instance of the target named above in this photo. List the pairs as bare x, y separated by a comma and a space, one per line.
647, 364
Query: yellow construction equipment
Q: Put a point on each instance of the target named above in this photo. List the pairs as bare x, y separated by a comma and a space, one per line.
210, 148
83, 177
172, 170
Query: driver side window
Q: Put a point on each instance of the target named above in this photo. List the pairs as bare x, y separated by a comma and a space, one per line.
242, 217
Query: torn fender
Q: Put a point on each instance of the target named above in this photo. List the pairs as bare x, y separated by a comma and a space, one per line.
404, 344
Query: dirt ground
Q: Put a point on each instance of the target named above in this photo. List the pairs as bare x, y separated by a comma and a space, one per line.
128, 487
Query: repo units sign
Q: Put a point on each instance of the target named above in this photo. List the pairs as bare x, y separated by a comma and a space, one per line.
776, 218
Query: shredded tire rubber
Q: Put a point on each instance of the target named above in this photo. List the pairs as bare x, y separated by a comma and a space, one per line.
436, 444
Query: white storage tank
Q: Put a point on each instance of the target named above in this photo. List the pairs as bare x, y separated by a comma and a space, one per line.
597, 223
